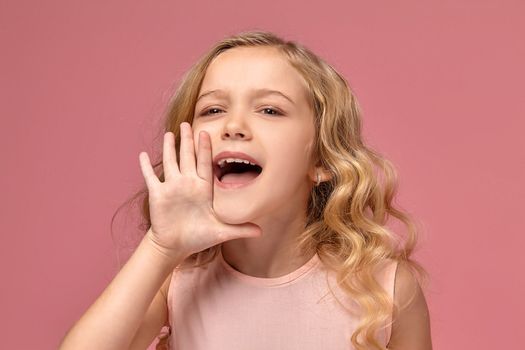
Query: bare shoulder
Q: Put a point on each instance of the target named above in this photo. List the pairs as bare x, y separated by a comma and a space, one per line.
156, 317
165, 287
411, 326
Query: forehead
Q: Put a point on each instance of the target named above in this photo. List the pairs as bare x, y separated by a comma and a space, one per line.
252, 68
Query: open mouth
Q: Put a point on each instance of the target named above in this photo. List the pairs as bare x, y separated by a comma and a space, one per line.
237, 172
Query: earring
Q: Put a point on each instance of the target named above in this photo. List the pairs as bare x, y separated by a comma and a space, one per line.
318, 178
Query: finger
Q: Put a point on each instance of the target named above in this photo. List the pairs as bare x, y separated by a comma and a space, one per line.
204, 165
147, 171
187, 149
247, 230
169, 156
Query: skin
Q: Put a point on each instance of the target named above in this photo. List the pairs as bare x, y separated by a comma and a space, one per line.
411, 327
277, 132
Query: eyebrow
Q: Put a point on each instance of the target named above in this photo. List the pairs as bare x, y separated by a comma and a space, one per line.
255, 92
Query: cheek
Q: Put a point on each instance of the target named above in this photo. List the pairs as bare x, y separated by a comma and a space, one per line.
294, 157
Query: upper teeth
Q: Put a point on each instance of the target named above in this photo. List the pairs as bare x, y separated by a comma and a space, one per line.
223, 162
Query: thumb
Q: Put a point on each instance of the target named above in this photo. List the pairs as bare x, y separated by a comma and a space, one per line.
245, 230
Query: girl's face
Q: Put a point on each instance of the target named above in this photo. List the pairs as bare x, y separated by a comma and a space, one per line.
276, 129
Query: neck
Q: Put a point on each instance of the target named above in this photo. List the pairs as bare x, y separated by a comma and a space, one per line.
271, 255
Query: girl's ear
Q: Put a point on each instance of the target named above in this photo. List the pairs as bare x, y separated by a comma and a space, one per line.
324, 175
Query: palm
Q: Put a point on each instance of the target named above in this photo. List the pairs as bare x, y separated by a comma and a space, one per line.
181, 210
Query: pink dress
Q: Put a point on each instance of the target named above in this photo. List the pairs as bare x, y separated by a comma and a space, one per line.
217, 307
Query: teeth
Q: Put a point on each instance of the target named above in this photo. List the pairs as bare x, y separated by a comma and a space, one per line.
222, 162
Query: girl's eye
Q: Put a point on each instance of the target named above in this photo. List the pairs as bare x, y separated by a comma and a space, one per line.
272, 111
275, 112
208, 111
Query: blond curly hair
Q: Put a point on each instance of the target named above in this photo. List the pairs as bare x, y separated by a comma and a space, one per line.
347, 215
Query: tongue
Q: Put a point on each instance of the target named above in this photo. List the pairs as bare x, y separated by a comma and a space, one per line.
239, 178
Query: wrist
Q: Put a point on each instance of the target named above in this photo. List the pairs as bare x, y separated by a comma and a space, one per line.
169, 257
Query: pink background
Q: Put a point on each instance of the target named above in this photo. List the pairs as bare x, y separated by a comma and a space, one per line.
440, 84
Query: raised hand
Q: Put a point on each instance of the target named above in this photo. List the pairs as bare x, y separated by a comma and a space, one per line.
181, 212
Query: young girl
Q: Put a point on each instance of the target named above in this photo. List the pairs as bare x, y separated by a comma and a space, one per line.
269, 230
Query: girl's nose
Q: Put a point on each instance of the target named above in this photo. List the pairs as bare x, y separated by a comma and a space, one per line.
234, 135
235, 127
